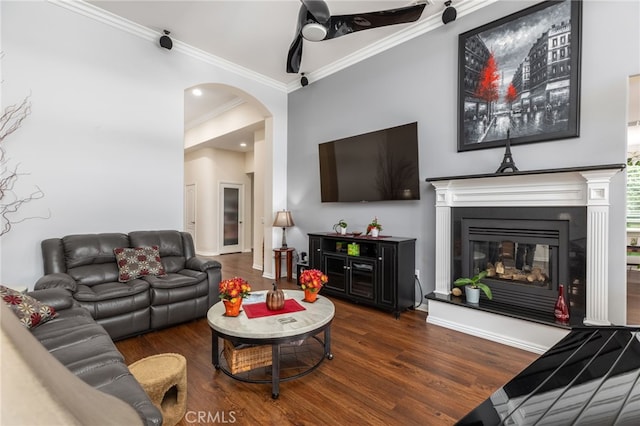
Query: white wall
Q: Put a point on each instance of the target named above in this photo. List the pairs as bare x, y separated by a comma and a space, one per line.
417, 81
259, 146
241, 116
208, 168
105, 137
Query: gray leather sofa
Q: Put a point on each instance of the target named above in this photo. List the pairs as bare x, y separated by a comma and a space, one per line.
43, 391
86, 266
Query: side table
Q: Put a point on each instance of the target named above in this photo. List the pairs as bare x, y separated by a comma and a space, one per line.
278, 252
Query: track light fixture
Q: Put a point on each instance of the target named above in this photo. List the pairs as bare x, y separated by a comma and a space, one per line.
165, 40
449, 14
304, 81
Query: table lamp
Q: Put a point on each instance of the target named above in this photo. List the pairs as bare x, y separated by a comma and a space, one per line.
283, 220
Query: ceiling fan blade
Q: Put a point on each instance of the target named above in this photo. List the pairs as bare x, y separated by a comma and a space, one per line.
294, 58
340, 25
318, 9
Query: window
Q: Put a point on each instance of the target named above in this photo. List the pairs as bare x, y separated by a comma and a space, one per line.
633, 194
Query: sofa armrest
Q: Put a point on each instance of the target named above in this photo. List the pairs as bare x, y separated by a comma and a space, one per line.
58, 298
213, 268
201, 264
57, 280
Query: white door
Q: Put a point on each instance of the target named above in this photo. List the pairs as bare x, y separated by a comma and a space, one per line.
190, 210
231, 226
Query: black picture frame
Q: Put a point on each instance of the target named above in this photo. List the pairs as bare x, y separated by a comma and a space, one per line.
519, 77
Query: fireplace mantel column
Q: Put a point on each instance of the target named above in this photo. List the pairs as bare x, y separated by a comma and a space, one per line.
598, 246
443, 238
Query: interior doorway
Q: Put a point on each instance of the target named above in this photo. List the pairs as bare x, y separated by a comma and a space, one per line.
232, 224
190, 211
228, 136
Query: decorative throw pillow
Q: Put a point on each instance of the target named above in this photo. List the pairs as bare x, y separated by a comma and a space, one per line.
137, 262
29, 311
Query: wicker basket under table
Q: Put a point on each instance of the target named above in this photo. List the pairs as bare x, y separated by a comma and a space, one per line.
246, 357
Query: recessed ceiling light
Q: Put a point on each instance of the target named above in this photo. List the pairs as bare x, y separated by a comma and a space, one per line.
196, 92
243, 144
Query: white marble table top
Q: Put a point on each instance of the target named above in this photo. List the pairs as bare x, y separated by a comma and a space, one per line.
290, 324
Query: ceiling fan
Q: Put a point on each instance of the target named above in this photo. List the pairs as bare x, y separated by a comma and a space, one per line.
315, 23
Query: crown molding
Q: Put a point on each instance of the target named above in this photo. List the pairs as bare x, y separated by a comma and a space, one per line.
463, 7
215, 113
421, 27
86, 9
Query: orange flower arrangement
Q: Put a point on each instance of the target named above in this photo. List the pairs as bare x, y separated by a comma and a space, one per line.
233, 288
312, 280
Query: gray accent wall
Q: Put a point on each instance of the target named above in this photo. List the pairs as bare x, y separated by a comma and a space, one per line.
417, 81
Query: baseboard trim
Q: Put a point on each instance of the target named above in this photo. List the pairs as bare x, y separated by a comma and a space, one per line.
521, 334
207, 253
422, 308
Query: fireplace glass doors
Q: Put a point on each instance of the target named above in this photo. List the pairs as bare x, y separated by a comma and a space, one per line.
522, 251
527, 253
515, 262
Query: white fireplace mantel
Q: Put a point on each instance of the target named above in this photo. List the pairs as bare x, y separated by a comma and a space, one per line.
587, 186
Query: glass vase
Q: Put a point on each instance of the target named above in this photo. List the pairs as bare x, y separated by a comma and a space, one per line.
561, 310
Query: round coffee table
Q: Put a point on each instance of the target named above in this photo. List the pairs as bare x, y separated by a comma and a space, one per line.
274, 330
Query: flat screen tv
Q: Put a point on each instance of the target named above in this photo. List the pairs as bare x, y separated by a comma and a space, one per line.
376, 166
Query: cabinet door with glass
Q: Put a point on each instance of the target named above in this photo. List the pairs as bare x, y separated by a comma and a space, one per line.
335, 268
362, 278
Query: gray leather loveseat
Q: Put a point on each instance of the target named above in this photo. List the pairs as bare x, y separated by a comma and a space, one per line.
182, 288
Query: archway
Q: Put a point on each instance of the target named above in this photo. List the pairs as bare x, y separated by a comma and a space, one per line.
217, 124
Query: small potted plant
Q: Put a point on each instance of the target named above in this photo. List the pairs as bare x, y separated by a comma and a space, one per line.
340, 227
374, 228
232, 291
473, 286
311, 281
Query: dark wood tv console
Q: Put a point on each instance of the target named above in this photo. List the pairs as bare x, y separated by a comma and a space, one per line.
380, 274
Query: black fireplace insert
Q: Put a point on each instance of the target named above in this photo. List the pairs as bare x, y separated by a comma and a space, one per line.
527, 252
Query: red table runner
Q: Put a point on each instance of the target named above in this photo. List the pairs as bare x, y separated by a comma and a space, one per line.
257, 310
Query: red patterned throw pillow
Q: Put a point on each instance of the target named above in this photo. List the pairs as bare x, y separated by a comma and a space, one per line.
29, 311
138, 262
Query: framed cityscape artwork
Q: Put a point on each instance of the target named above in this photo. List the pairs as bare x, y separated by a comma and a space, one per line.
519, 77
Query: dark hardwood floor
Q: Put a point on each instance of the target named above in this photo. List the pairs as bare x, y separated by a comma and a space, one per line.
384, 372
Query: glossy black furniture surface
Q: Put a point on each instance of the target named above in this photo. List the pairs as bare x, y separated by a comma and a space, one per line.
380, 272
591, 377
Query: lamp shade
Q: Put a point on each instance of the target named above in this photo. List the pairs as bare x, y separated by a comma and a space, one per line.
283, 219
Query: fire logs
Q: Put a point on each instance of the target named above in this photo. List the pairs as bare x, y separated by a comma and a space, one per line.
499, 270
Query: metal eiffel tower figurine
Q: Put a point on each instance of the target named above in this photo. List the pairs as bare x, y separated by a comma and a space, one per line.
507, 161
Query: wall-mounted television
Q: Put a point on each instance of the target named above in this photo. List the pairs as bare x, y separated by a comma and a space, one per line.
375, 166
